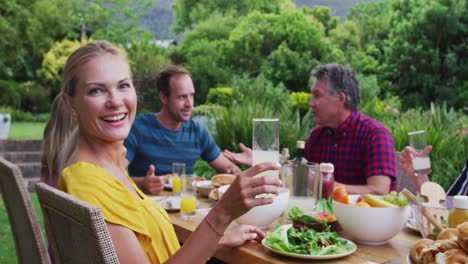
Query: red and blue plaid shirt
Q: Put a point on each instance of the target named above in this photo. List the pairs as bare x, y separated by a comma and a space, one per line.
360, 148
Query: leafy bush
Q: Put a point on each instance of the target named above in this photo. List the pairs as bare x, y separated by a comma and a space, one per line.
221, 96
260, 91
207, 110
12, 92
203, 169
300, 102
385, 111
54, 61
146, 59
258, 98
20, 116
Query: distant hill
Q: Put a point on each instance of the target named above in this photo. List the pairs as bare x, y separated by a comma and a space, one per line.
161, 18
338, 7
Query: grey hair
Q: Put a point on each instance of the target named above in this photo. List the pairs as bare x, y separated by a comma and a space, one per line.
340, 79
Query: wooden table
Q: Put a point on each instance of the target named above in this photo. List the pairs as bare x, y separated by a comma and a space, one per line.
395, 250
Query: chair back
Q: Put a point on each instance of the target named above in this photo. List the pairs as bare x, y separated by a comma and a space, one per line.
404, 181
29, 241
77, 230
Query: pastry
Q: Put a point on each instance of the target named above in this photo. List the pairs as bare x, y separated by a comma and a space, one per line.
222, 179
213, 195
463, 236
417, 249
448, 233
452, 256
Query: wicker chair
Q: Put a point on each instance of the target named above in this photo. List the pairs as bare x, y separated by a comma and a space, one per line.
78, 232
29, 241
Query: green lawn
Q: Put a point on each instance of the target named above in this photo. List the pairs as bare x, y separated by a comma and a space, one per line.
26, 130
7, 243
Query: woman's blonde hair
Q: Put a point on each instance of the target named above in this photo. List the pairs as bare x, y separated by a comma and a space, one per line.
61, 131
57, 131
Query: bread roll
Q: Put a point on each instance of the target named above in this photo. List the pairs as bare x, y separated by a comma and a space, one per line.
463, 236
428, 255
448, 233
444, 245
213, 195
452, 256
417, 248
222, 179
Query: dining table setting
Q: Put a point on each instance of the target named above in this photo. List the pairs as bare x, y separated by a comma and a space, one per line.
395, 249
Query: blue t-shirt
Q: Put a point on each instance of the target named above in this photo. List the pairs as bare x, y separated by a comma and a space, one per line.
150, 143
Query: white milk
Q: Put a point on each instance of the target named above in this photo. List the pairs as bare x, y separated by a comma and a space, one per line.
421, 164
259, 156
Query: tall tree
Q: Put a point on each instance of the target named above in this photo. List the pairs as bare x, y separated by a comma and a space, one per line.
112, 20
373, 21
28, 29
189, 13
426, 54
283, 47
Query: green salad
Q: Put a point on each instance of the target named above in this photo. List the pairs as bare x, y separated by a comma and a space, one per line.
306, 241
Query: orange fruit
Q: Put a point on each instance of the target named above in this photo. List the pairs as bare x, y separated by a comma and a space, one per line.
340, 194
363, 204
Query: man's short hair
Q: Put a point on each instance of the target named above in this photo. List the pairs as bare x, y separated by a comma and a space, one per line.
164, 77
340, 79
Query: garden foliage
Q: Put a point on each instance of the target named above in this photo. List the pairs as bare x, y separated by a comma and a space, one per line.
407, 54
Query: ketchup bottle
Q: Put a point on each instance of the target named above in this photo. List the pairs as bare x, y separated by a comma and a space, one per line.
328, 180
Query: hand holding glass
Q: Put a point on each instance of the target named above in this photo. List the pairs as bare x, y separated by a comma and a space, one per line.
421, 161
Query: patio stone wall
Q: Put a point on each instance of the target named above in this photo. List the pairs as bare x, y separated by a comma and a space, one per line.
27, 155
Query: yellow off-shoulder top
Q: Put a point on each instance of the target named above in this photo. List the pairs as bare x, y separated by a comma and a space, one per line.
151, 224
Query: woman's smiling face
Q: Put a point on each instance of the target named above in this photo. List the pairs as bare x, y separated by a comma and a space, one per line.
104, 98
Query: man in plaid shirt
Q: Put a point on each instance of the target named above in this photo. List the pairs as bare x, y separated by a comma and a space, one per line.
360, 148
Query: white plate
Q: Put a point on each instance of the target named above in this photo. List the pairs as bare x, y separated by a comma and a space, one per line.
169, 203
302, 256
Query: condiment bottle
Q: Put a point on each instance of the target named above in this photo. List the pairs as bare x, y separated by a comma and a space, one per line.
328, 180
459, 213
284, 160
284, 156
302, 173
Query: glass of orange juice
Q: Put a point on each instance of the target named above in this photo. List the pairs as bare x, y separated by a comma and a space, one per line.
178, 171
188, 196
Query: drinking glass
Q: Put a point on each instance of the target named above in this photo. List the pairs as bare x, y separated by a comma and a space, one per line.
421, 162
188, 196
304, 184
178, 171
265, 142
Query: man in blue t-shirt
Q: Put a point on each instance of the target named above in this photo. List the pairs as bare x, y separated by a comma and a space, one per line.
157, 140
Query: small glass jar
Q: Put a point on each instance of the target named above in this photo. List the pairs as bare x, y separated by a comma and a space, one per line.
459, 213
328, 179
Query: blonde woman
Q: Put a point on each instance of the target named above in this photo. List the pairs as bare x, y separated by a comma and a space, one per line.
98, 88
